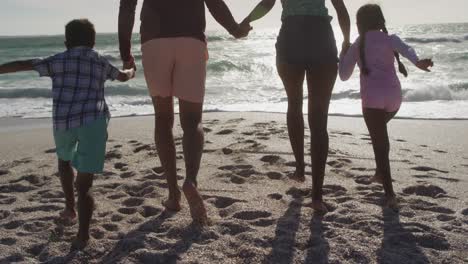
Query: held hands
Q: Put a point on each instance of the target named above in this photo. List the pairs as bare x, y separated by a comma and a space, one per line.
129, 67
425, 64
344, 48
243, 29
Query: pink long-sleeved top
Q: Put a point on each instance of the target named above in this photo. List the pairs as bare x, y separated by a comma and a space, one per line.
381, 88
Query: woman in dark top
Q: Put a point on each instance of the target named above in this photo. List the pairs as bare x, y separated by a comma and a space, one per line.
306, 48
174, 61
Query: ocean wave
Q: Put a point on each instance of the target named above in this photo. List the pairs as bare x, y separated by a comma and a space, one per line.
225, 66
124, 90
216, 38
435, 40
435, 93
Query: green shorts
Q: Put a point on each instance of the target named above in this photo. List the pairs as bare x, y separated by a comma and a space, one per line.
84, 146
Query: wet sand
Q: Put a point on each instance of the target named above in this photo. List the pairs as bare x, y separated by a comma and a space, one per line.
258, 214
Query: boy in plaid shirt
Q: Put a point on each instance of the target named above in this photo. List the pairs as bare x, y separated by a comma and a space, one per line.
80, 115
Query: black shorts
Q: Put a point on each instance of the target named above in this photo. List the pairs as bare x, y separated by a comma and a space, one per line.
306, 40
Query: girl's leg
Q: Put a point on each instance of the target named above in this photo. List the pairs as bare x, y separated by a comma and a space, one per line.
377, 177
376, 121
193, 140
164, 122
293, 80
320, 82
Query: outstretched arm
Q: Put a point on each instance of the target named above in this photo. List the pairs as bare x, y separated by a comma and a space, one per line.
16, 66
260, 10
343, 19
223, 16
126, 23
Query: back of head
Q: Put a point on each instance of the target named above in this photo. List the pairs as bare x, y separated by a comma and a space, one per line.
80, 32
370, 17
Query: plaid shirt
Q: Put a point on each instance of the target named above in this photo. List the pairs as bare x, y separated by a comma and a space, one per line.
78, 77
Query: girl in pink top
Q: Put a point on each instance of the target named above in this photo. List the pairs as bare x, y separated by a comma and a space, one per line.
375, 51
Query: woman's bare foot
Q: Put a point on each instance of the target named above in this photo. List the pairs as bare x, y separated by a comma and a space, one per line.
298, 175
377, 178
195, 201
173, 203
318, 206
68, 215
79, 243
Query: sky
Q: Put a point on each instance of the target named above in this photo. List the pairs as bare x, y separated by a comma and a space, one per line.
48, 17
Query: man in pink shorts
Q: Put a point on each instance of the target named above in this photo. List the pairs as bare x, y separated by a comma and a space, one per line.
174, 60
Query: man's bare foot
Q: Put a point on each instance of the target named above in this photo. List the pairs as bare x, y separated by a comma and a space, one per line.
173, 203
68, 215
298, 175
318, 206
195, 201
377, 178
79, 243
392, 203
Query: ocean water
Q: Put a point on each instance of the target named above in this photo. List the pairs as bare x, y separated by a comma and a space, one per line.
242, 76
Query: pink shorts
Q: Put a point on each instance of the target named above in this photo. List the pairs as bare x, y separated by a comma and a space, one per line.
175, 67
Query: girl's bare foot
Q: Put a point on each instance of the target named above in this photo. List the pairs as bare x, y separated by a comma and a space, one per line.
392, 203
377, 178
318, 206
68, 215
195, 201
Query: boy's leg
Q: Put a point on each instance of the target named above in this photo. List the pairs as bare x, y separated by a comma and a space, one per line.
193, 140
164, 138
67, 177
65, 143
84, 182
376, 121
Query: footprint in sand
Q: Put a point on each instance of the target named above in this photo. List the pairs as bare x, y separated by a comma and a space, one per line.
364, 180
127, 211
227, 151
120, 165
272, 159
110, 227
97, 233
233, 229
13, 224
4, 214
133, 202
274, 175
418, 204
143, 147
334, 190
275, 196
465, 212
41, 208
127, 174
222, 202
50, 151
36, 227
427, 190
298, 192
4, 199
113, 154
33, 179
440, 151
4, 172
251, 215
427, 169
226, 132
116, 218
14, 188
8, 241
149, 211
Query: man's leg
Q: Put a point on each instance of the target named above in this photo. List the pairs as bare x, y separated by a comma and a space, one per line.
164, 138
193, 140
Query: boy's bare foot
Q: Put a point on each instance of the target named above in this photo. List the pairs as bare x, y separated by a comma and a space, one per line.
173, 203
298, 175
68, 215
318, 206
79, 243
195, 201
377, 178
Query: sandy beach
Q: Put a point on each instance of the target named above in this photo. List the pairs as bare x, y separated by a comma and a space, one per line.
258, 214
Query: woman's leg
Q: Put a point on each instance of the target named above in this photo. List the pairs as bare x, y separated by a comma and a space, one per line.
376, 121
164, 122
293, 80
320, 82
193, 141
